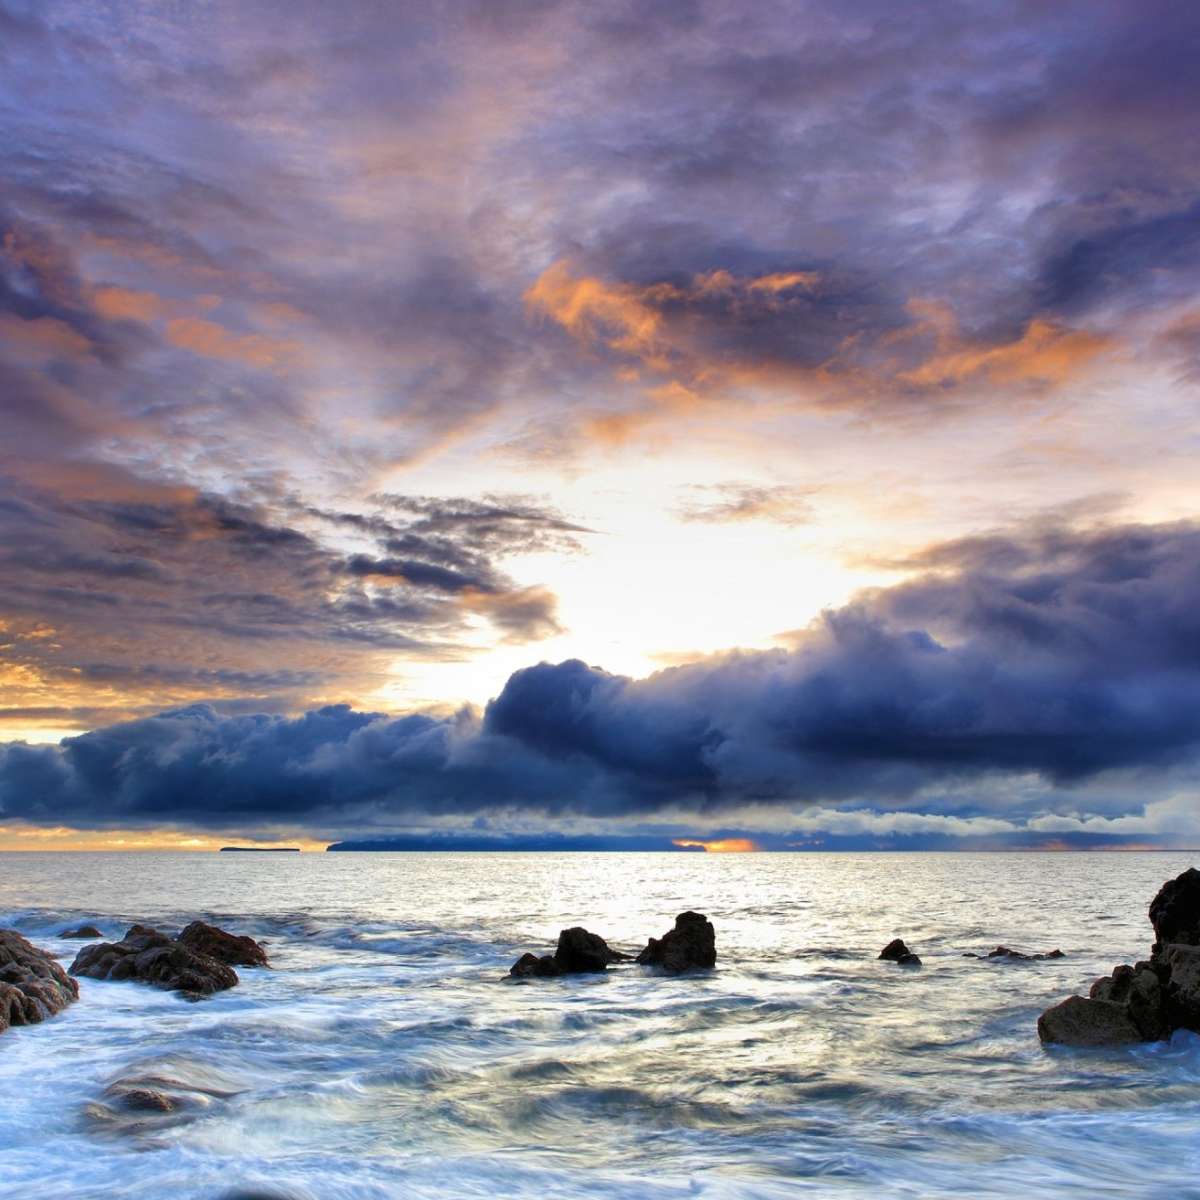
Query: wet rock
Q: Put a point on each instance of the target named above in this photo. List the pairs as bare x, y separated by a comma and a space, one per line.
896, 950
1175, 911
1003, 952
147, 1100
1080, 1022
84, 932
146, 1104
1139, 991
149, 956
529, 965
908, 960
1179, 969
223, 946
578, 952
692, 943
32, 985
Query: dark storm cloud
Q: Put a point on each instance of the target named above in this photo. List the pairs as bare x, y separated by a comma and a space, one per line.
1058, 656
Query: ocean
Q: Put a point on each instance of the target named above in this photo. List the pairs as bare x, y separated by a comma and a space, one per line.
386, 1054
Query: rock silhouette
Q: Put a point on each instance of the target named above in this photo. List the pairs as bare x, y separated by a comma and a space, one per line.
579, 952
691, 943
1003, 952
150, 956
1146, 1002
896, 951
32, 985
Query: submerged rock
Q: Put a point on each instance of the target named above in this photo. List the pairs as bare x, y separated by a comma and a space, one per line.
1003, 952
84, 932
530, 964
32, 985
692, 943
150, 1102
149, 956
223, 946
896, 951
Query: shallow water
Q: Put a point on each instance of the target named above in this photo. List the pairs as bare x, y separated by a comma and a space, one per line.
386, 1054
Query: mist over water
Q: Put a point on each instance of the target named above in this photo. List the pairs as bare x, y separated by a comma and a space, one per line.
386, 1054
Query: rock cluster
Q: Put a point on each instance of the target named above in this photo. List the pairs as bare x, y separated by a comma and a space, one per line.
896, 951
32, 985
691, 943
1003, 952
1150, 1000
578, 952
149, 956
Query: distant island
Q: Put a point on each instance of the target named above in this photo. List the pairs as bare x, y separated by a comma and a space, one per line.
259, 850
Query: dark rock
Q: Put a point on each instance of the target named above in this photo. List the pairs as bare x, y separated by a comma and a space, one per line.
223, 946
85, 932
692, 943
32, 985
1016, 955
580, 951
529, 964
149, 956
1080, 1022
895, 950
1175, 911
147, 1103
908, 960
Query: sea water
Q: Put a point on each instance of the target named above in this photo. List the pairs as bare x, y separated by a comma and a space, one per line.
386, 1054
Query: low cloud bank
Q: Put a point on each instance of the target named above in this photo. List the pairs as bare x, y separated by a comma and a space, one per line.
1061, 657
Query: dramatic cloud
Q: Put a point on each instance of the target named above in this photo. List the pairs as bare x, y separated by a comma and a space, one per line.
1060, 658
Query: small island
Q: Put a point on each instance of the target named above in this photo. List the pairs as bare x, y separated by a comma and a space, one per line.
259, 850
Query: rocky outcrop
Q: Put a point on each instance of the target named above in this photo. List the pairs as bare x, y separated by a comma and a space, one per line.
578, 952
32, 985
83, 933
896, 951
691, 943
223, 946
1175, 911
1007, 955
148, 956
1146, 1002
148, 1103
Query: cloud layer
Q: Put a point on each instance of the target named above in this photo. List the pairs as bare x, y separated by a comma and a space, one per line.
1055, 657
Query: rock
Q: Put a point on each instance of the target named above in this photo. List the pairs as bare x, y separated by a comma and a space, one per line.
1179, 967
1175, 911
692, 943
223, 946
147, 1103
530, 964
1080, 1022
149, 956
146, 1100
895, 950
84, 932
32, 985
908, 960
1139, 991
580, 951
1016, 955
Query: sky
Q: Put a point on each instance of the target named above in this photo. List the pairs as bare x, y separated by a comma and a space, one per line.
767, 424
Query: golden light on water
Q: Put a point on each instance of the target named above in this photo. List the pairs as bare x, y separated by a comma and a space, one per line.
719, 846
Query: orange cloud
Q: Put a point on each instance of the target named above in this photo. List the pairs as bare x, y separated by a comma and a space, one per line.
719, 846
210, 340
43, 338
124, 304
